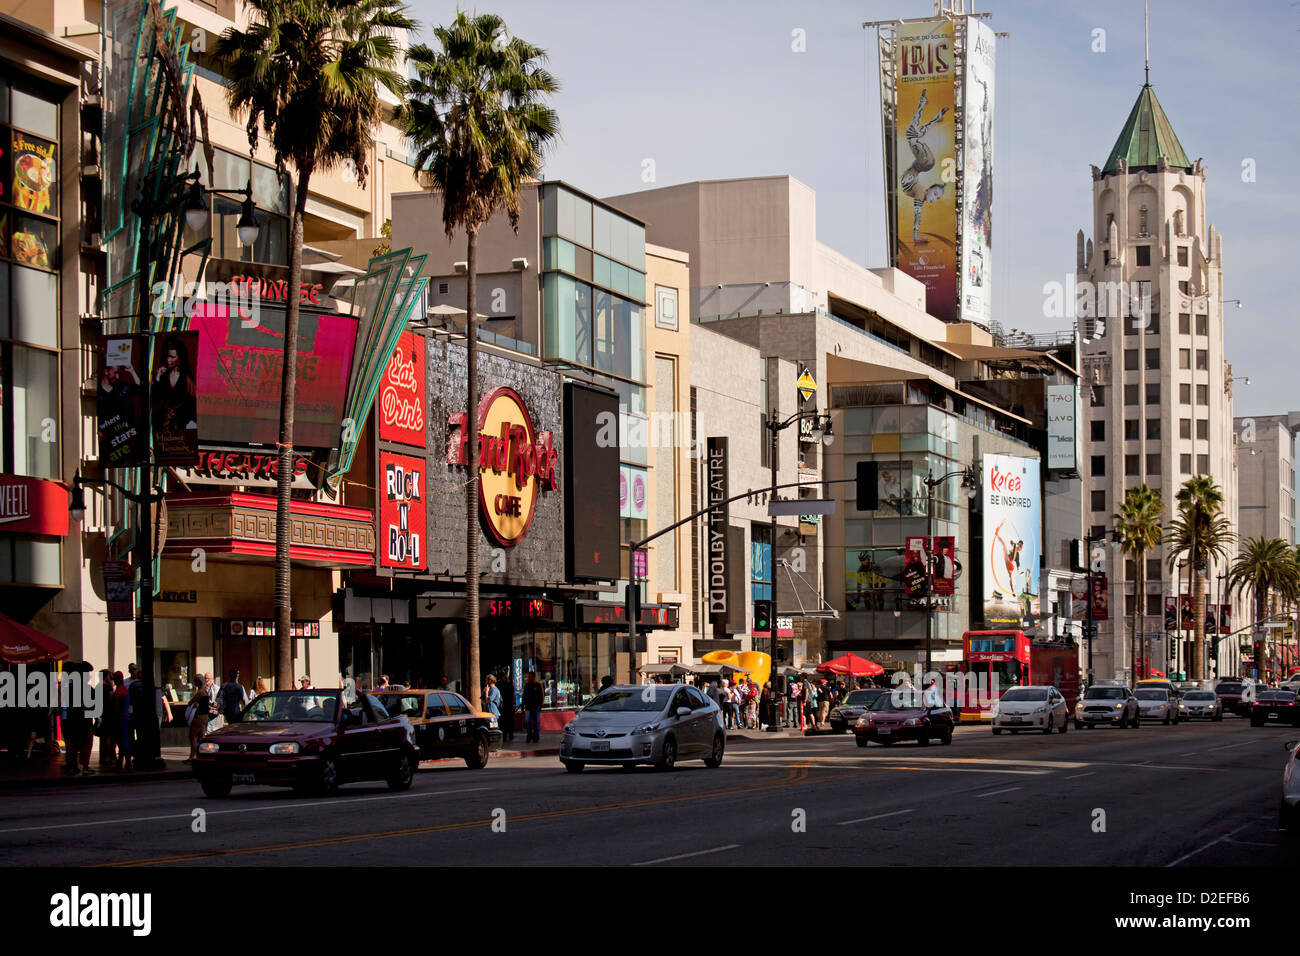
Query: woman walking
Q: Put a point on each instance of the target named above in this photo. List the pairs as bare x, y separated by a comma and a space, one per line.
492, 697
122, 705
196, 715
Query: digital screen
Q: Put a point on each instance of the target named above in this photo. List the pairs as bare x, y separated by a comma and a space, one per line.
653, 615
538, 609
591, 499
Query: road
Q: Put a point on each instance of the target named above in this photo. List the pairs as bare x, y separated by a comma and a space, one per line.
1198, 795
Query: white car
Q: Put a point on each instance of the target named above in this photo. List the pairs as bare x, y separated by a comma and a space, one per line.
1155, 703
1292, 683
1289, 813
1040, 708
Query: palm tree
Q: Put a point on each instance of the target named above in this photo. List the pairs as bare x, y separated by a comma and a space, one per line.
1266, 566
308, 72
477, 118
1138, 524
1201, 531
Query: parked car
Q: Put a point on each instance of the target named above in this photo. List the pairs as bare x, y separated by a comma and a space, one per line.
1292, 683
1040, 708
1289, 815
1157, 703
903, 715
1237, 695
309, 740
1275, 707
445, 725
658, 724
857, 703
1204, 704
1107, 704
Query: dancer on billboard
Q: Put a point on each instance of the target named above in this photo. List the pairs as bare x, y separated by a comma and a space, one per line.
922, 162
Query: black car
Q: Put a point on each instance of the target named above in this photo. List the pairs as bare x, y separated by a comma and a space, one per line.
446, 725
1275, 707
855, 704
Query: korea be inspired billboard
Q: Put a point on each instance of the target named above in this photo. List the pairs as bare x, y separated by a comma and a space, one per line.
1012, 523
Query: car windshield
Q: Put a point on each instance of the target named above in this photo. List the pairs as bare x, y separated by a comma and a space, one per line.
862, 698
898, 700
1025, 693
292, 705
1198, 695
651, 698
1104, 693
1151, 693
1228, 689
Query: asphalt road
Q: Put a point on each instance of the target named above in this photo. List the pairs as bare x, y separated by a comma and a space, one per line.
1195, 795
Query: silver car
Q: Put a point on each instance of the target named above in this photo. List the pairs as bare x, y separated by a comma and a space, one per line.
1155, 703
1290, 809
1039, 708
656, 724
1202, 703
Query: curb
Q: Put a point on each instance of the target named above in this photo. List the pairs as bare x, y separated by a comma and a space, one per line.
99, 778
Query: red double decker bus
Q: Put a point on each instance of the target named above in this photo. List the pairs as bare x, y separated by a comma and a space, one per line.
993, 661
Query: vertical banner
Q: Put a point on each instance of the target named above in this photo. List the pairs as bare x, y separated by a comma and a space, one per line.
119, 401
118, 579
977, 180
1225, 618
401, 393
718, 521
1100, 597
1012, 526
944, 549
173, 399
1061, 427
402, 515
1171, 613
925, 192
915, 559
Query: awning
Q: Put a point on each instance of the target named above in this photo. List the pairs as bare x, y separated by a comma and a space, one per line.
852, 665
717, 670
672, 670
20, 644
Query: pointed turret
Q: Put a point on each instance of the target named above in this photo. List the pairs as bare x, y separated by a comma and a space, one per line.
1146, 137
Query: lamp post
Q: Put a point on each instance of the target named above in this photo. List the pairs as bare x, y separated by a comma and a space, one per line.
1088, 542
970, 485
822, 430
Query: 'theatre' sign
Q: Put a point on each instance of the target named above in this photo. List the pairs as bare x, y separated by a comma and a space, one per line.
719, 547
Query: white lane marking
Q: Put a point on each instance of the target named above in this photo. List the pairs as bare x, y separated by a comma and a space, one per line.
1230, 746
686, 856
1190, 753
1076, 776
280, 806
1186, 856
878, 816
994, 793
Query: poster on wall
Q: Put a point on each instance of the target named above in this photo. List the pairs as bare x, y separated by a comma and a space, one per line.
119, 400
1012, 522
977, 187
173, 399
1062, 427
36, 174
925, 162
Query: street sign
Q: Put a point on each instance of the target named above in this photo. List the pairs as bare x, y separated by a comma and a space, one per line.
806, 506
806, 384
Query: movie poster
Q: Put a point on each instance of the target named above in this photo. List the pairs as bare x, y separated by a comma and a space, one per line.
119, 401
915, 557
1012, 522
944, 549
173, 399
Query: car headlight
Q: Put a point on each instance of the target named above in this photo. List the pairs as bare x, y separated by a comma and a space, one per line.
912, 722
1119, 706
492, 722
571, 727
209, 747
284, 748
646, 729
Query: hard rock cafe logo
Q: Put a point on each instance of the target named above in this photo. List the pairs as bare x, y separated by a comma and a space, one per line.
400, 403
515, 462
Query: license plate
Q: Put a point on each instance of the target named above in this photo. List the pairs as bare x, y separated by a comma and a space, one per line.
1015, 720
1273, 716
883, 731
599, 745
243, 778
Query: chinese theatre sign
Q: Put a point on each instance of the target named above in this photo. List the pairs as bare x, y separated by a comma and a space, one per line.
401, 393
515, 463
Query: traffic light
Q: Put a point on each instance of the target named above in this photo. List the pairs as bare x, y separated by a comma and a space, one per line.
763, 616
868, 486
633, 600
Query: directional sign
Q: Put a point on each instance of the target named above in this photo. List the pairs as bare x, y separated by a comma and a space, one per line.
805, 506
807, 384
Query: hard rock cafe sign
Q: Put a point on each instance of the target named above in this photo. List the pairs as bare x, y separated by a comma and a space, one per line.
515, 463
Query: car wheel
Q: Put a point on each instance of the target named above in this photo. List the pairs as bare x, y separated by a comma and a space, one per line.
1168, 720
573, 766
327, 775
997, 732
923, 740
862, 741
716, 759
478, 758
1288, 817
838, 728
1218, 717
403, 772
946, 739
1065, 725
1137, 721
216, 786
1051, 724
1078, 725
668, 756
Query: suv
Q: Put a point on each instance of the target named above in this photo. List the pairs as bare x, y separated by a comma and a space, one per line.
1107, 704
1237, 695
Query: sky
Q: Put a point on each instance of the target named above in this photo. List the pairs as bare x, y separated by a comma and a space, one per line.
719, 90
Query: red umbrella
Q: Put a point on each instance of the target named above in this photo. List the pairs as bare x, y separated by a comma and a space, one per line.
20, 644
1156, 673
851, 665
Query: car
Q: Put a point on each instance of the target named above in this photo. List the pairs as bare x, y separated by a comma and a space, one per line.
1204, 704
1156, 703
904, 715
1183, 686
1292, 683
445, 725
1158, 682
1031, 708
630, 724
1275, 707
857, 703
1237, 695
1289, 814
310, 740
1107, 704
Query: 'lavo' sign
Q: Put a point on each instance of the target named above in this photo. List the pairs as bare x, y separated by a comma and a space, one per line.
32, 506
401, 393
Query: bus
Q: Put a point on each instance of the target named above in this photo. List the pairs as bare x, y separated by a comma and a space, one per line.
993, 661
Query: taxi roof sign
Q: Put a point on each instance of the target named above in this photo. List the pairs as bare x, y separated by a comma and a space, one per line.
806, 384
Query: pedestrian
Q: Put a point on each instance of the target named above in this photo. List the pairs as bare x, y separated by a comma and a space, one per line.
533, 698
492, 697
197, 715
796, 705
139, 708
507, 720
215, 721
809, 702
260, 687
932, 695
122, 733
765, 707
107, 728
232, 698
823, 703
443, 685
78, 723
162, 708
383, 683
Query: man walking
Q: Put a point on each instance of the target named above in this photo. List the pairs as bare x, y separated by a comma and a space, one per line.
533, 697
232, 698
507, 721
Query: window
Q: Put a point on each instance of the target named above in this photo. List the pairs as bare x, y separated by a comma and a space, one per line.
1185, 287
1130, 569
1098, 393
1130, 394
1153, 429
1098, 532
1182, 255
1153, 393
1099, 501
1143, 230
1153, 359
1185, 393
1098, 465
1203, 429
1185, 358
1202, 394
1202, 324
31, 400
1185, 464
1130, 360
1153, 571
1184, 428
1202, 359
1099, 429
1144, 252
1130, 464
666, 308
1184, 323
1153, 463
1202, 464
1131, 427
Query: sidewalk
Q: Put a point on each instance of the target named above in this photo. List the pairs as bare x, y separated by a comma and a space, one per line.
41, 771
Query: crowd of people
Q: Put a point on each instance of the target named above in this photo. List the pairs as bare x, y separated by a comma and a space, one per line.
804, 702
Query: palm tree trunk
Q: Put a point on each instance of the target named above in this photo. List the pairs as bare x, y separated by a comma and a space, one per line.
1198, 623
1257, 639
471, 487
284, 474
1138, 598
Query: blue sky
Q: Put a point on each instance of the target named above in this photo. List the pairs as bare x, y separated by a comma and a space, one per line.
713, 90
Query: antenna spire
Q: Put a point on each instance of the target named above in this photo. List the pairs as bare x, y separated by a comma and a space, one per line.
1146, 29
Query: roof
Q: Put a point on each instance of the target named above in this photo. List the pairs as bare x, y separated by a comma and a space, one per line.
1147, 135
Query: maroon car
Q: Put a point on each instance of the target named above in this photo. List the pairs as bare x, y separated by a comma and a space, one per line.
902, 715
309, 740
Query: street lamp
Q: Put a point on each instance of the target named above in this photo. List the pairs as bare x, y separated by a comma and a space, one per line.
970, 485
196, 209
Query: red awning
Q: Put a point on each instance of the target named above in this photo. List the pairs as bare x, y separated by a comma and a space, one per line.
851, 665
20, 644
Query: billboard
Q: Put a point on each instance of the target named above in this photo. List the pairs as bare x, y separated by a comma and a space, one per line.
173, 399
119, 400
977, 179
401, 393
1012, 523
593, 543
402, 516
239, 375
923, 188
1062, 427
